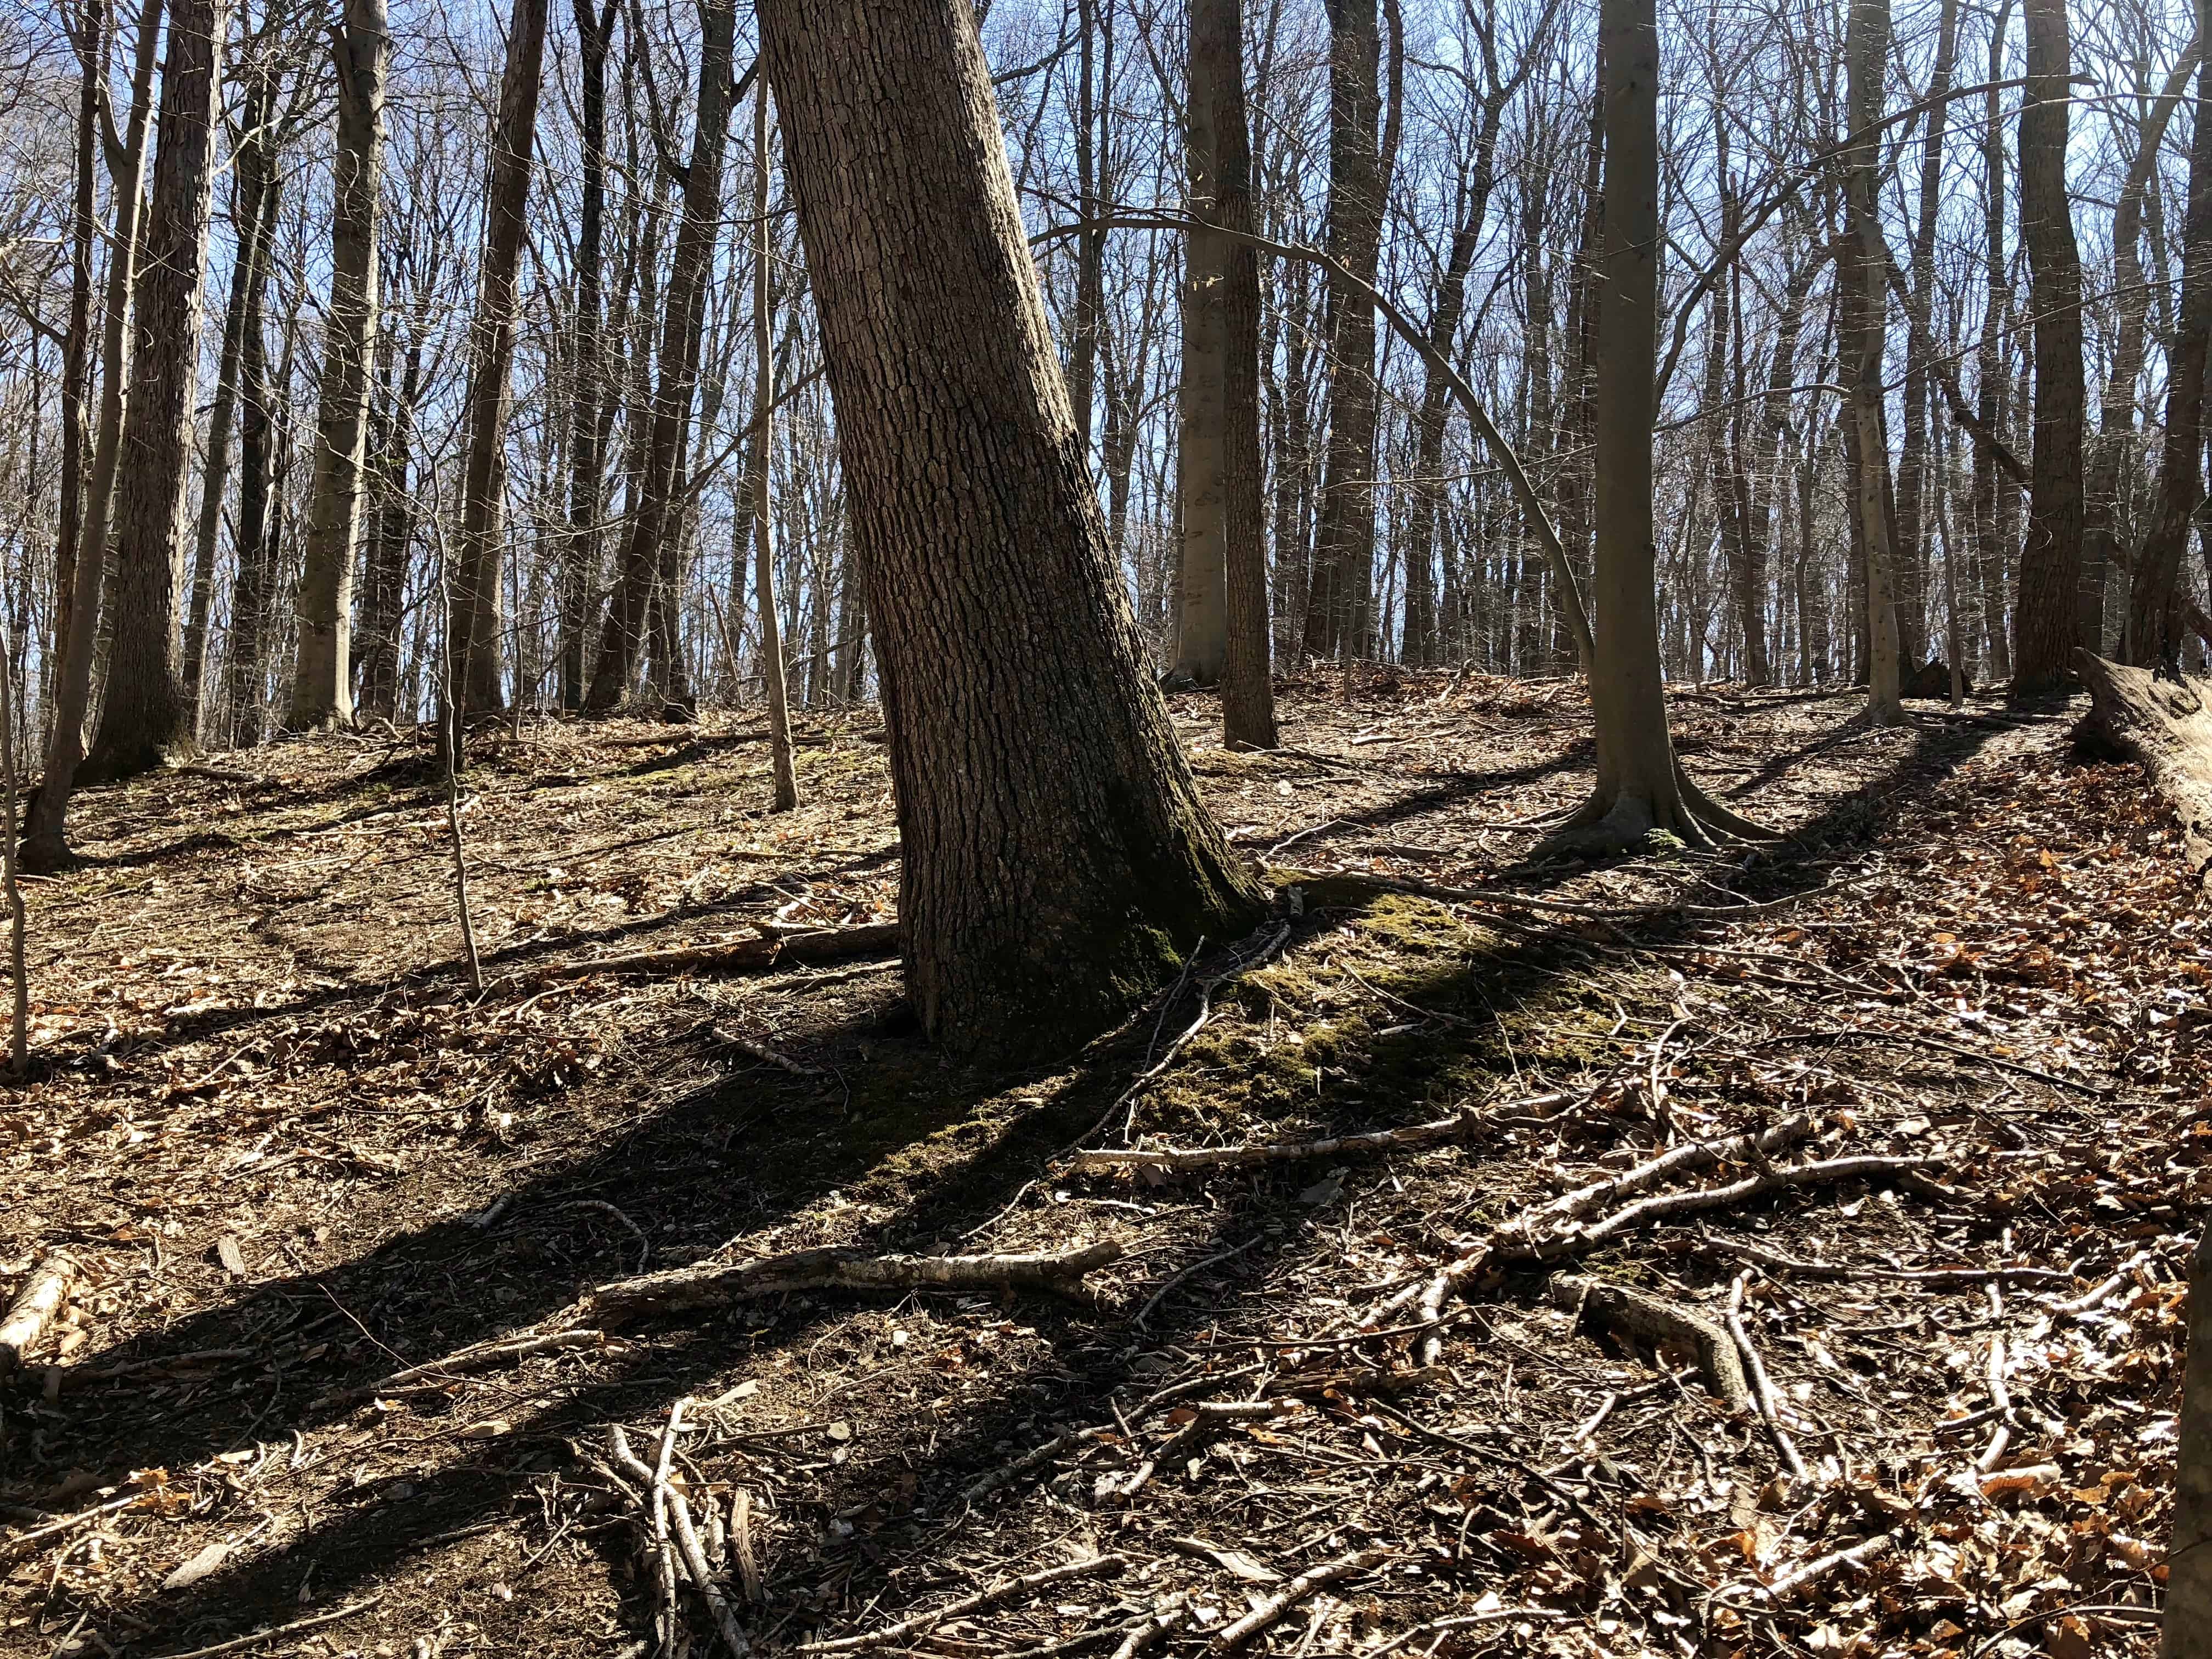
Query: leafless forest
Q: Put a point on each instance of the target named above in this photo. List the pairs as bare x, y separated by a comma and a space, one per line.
983, 828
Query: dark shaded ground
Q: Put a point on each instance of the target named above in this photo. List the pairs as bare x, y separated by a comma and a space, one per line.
257, 1045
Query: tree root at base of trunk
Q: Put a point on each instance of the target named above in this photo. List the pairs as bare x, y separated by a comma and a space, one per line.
1626, 823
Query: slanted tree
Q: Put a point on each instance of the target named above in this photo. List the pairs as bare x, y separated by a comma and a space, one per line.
1057, 860
2046, 618
145, 714
322, 672
46, 843
2155, 629
774, 691
1641, 786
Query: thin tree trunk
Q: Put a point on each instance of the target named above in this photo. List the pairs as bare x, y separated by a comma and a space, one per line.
89, 36
254, 230
1912, 561
1222, 163
46, 845
2046, 619
589, 395
322, 673
1866, 57
1640, 786
473, 622
771, 646
682, 320
1344, 555
1057, 858
2155, 630
145, 714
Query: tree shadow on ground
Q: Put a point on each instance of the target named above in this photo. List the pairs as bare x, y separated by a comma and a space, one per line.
736, 1158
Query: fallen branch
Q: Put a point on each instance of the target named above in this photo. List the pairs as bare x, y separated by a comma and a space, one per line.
1828, 1565
44, 1295
1464, 1621
1005, 1589
1692, 1155
1265, 1614
826, 945
1933, 1278
2165, 726
672, 1511
476, 1357
677, 1288
10, 1547
1378, 1140
1762, 1386
1655, 1321
1650, 1211
239, 1644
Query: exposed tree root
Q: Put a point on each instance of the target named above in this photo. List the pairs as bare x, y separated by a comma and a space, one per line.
822, 944
680, 1288
1625, 822
1004, 1590
1659, 1323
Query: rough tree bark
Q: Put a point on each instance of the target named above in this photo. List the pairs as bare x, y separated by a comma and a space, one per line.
682, 319
145, 714
322, 670
473, 622
2046, 615
1057, 858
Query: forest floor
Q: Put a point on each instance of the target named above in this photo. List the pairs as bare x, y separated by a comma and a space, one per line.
295, 1154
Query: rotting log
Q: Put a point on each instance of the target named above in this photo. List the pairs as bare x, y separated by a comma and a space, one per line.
2166, 726
1657, 1322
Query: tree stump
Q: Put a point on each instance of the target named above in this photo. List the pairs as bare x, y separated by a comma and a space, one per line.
2167, 725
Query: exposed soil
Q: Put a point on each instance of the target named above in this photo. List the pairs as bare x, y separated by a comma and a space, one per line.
297, 1153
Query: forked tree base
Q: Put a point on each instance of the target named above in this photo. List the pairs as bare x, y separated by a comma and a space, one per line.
1626, 820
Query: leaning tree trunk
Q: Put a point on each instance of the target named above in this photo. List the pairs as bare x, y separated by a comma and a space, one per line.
1057, 857
775, 691
2112, 459
46, 843
1866, 266
322, 672
2154, 597
145, 714
682, 319
1217, 103
472, 623
1640, 786
2045, 618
